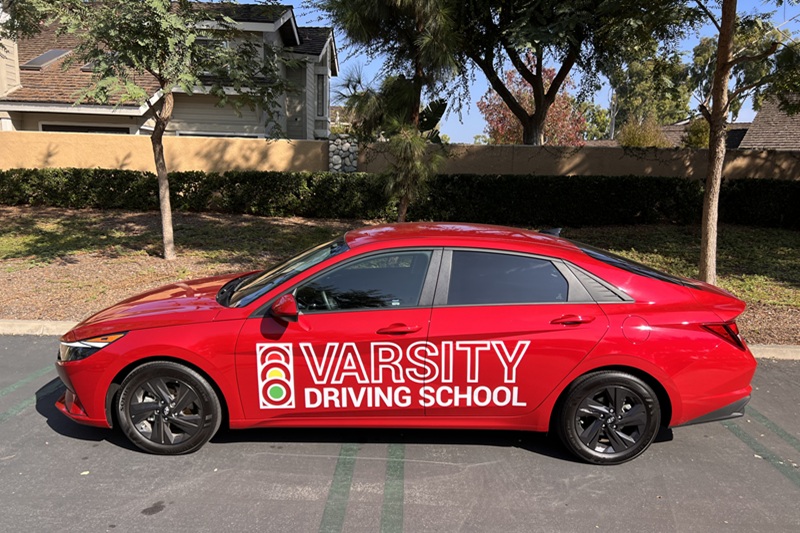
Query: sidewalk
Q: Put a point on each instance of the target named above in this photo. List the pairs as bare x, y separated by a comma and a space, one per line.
45, 327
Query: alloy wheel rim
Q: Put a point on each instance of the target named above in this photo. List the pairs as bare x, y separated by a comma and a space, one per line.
166, 411
611, 420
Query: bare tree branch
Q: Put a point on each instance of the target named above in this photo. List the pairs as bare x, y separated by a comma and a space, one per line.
758, 57
709, 14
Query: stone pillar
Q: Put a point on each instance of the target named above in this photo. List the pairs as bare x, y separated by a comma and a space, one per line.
342, 153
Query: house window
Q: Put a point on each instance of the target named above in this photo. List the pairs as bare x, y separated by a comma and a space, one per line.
321, 95
47, 58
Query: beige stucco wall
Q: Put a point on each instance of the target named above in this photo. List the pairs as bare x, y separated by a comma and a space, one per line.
601, 161
24, 149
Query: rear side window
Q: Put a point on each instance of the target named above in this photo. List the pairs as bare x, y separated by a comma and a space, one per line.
634, 267
485, 278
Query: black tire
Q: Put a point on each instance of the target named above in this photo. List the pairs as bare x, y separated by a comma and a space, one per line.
609, 417
168, 409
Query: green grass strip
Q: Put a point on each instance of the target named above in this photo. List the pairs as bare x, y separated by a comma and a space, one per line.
793, 441
787, 470
27, 379
21, 406
339, 493
393, 490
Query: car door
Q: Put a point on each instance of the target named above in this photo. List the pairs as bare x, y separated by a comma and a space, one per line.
357, 347
508, 328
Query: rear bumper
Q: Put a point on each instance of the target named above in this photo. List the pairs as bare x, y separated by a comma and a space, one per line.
732, 410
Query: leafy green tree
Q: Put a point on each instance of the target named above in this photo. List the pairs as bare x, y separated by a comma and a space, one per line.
589, 36
176, 45
598, 121
415, 39
753, 36
412, 164
697, 134
784, 82
644, 134
414, 150
655, 86
383, 111
745, 51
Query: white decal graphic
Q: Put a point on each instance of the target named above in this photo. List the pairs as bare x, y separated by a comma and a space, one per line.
343, 379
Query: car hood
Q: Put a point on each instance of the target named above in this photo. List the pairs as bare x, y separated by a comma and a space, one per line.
185, 302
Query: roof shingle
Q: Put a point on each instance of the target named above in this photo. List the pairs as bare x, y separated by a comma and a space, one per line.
312, 40
54, 84
772, 129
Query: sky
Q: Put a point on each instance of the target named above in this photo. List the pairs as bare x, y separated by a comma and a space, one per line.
470, 123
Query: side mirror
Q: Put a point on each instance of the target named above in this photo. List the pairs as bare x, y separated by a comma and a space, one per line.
285, 308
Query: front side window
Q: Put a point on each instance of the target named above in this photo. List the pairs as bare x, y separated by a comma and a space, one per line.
486, 278
389, 280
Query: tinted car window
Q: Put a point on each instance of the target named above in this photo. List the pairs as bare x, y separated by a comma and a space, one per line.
391, 280
496, 278
634, 267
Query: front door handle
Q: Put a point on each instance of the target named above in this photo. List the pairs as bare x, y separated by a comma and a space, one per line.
398, 329
572, 320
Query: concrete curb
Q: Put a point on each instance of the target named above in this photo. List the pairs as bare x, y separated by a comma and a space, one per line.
46, 327
776, 351
35, 327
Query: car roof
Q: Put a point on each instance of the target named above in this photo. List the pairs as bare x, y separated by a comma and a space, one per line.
452, 231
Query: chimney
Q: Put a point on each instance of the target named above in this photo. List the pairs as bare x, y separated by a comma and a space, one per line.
9, 63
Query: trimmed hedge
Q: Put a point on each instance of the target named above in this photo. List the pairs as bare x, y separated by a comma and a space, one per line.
562, 200
497, 199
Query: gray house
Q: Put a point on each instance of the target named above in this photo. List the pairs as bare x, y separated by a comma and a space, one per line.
37, 94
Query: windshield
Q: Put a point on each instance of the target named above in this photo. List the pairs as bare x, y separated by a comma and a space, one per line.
249, 288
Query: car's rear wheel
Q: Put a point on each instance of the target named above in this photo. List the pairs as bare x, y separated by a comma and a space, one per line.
168, 408
609, 417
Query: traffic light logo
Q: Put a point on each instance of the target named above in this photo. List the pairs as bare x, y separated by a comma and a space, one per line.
275, 376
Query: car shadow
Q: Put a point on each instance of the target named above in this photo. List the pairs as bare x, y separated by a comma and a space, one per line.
539, 443
46, 398
544, 444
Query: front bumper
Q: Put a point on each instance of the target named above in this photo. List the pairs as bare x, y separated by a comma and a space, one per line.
732, 410
71, 406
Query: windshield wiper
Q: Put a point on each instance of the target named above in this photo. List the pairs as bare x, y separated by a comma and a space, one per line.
226, 292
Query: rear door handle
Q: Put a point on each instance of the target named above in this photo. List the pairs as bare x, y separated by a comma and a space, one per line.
398, 329
572, 320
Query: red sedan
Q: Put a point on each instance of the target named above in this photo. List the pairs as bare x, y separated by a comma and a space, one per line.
417, 325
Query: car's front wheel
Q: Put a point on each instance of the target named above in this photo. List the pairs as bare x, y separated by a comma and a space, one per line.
167, 408
609, 417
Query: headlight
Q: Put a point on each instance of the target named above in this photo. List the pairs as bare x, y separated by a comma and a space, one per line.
75, 351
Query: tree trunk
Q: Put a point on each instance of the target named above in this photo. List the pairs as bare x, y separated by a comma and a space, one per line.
402, 208
717, 117
533, 131
162, 119
418, 81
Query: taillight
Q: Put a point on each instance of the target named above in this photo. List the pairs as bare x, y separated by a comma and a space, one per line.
727, 331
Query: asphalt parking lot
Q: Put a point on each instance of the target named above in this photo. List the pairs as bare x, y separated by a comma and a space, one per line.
741, 475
